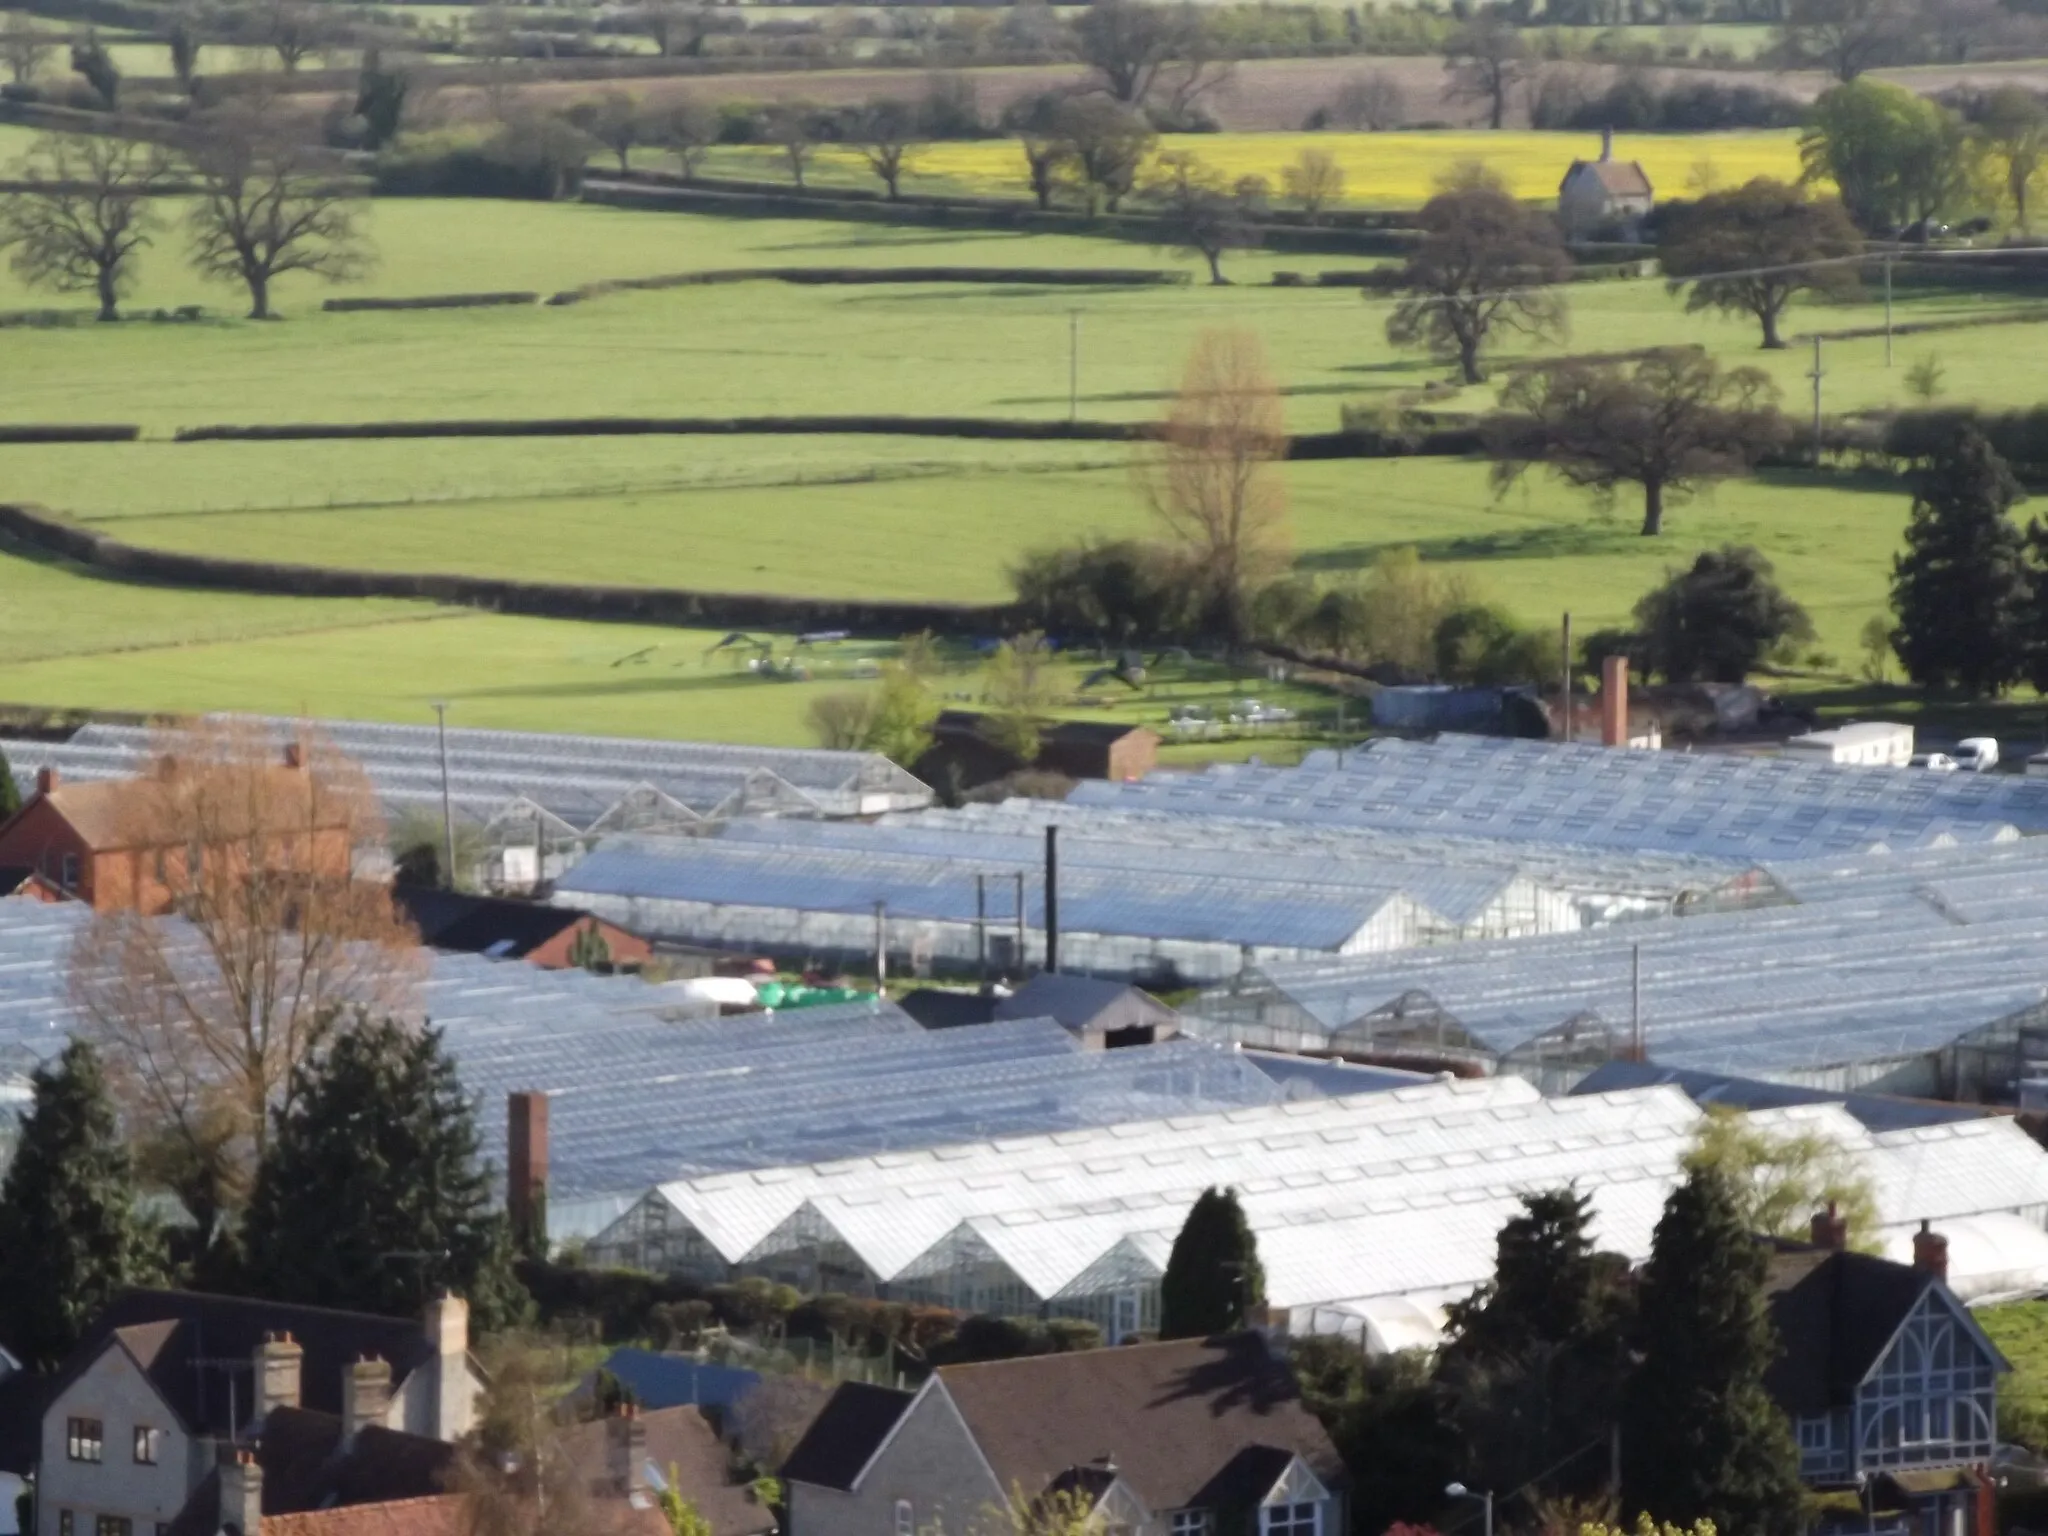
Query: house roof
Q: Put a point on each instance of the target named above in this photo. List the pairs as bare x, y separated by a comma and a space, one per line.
968, 722
480, 925
1617, 178
1836, 1314
21, 1420
1079, 1001
437, 1515
1178, 1421
106, 813
848, 1431
178, 1339
680, 1441
306, 1467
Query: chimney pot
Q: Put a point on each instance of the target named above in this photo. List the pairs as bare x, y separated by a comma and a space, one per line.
1930, 1252
241, 1493
526, 1165
1614, 702
1830, 1229
46, 780
1607, 142
279, 1363
365, 1397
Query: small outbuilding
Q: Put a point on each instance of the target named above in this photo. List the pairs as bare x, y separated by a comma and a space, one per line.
516, 930
1102, 1014
1598, 195
1081, 749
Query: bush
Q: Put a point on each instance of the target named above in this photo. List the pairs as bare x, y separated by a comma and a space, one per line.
534, 158
1635, 103
431, 301
2019, 436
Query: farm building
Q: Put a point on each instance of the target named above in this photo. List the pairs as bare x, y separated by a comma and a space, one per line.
537, 802
947, 894
639, 1091
1917, 973
1604, 194
1371, 1211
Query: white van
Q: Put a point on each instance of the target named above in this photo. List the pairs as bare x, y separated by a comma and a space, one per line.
1976, 754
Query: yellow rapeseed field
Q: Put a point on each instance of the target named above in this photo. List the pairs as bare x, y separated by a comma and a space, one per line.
1399, 170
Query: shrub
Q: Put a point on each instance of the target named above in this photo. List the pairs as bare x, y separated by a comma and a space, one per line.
535, 158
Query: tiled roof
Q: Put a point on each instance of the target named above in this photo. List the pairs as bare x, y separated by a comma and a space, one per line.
1619, 178
440, 1514
680, 1446
1835, 1313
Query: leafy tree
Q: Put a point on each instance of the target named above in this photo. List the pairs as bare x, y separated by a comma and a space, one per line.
1103, 145
86, 209
1780, 1180
1129, 43
1481, 643
1122, 592
23, 49
70, 1239
1485, 61
266, 207
682, 1516
1670, 422
588, 950
1704, 1439
10, 792
1960, 588
674, 29
184, 40
792, 127
380, 100
1844, 37
369, 1196
1202, 215
1894, 155
1314, 180
1019, 687
1715, 620
614, 120
893, 718
1485, 266
1036, 122
888, 133
1749, 251
90, 59
1390, 1423
688, 129
2012, 139
1213, 1282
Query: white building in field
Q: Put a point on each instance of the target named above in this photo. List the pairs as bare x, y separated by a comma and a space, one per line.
1605, 194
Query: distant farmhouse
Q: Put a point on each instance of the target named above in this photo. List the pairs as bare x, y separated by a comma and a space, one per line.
1598, 194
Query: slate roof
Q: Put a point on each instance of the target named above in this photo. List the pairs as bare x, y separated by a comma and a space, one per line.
1836, 1313
675, 1381
305, 1467
21, 1420
1081, 1001
481, 924
1184, 1423
169, 1332
846, 1433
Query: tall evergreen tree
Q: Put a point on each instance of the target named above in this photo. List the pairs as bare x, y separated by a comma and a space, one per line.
1213, 1281
1960, 590
1701, 1438
1535, 1366
370, 1195
10, 792
70, 1239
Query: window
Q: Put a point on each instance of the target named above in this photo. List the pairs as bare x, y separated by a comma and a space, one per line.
147, 1442
1291, 1520
113, 1525
65, 1525
69, 875
83, 1439
1190, 1522
1815, 1433
906, 1518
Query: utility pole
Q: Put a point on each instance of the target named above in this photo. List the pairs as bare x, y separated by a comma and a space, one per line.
881, 946
1340, 733
1567, 713
1817, 375
1887, 313
1635, 998
1022, 931
1073, 365
1052, 898
447, 809
981, 928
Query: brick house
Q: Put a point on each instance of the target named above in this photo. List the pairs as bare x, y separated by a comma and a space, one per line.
1891, 1387
98, 842
1191, 1438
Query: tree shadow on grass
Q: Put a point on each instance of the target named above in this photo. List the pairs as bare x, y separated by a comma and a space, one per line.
1547, 543
953, 292
1870, 481
659, 682
1160, 396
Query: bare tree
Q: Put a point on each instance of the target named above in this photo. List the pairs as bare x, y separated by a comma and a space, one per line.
1751, 250
23, 48
888, 133
674, 29
266, 208
1035, 121
1373, 101
1844, 37
1215, 483
1669, 423
294, 32
687, 129
1485, 265
1484, 61
84, 213
1201, 213
793, 127
615, 121
254, 849
2012, 137
1127, 43
1314, 180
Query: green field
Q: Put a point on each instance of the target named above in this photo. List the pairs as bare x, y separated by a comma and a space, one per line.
833, 516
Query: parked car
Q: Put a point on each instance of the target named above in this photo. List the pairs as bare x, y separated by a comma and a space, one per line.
1978, 754
1934, 762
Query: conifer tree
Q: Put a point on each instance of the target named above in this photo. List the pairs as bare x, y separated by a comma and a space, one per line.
10, 792
1213, 1281
70, 1239
1960, 590
1701, 1438
370, 1195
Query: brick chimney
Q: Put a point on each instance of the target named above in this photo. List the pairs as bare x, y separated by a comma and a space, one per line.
365, 1396
1830, 1229
453, 1405
241, 1492
626, 1450
1930, 1252
279, 1362
46, 780
526, 1170
1614, 701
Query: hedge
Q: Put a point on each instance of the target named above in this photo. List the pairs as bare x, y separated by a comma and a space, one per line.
1091, 277
2021, 436
431, 301
540, 599
69, 434
1001, 428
